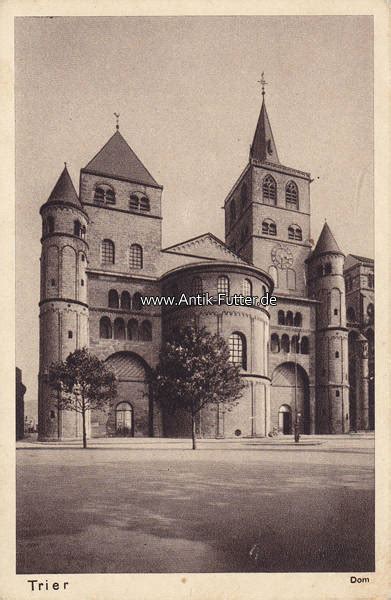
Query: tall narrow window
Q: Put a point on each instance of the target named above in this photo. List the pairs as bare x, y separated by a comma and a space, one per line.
291, 279
305, 347
247, 288
196, 286
289, 318
135, 257
327, 269
285, 343
113, 299
107, 252
292, 195
269, 190
281, 317
125, 300
297, 320
146, 331
275, 343
119, 329
105, 330
237, 349
50, 222
370, 280
76, 228
132, 329
295, 344
223, 285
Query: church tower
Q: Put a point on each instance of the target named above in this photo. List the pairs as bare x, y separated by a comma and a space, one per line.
327, 285
63, 299
267, 213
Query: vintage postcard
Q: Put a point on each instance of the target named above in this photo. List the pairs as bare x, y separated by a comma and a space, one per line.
198, 212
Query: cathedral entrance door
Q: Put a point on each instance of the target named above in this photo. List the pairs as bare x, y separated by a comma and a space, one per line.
124, 419
285, 420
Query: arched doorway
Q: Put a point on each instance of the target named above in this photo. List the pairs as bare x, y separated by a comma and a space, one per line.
290, 389
131, 413
285, 419
124, 419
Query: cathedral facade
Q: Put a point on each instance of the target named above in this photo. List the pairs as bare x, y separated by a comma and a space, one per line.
307, 361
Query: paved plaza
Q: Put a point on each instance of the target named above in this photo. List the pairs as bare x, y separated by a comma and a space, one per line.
154, 505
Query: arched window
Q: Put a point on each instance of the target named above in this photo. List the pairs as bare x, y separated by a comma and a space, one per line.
76, 228
294, 232
223, 285
196, 286
50, 224
107, 252
136, 303
132, 329
104, 194
305, 347
292, 195
105, 330
237, 349
113, 299
144, 203
125, 300
275, 343
289, 318
327, 268
371, 312
119, 329
351, 315
285, 343
134, 202
370, 280
297, 320
269, 190
247, 288
291, 279
146, 331
232, 210
281, 317
295, 344
243, 195
135, 257
269, 227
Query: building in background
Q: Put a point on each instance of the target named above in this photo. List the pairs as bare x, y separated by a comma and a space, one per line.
102, 251
20, 391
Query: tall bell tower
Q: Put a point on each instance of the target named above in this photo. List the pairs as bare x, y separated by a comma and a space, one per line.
63, 307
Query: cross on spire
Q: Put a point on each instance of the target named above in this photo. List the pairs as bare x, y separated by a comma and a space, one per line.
263, 83
117, 120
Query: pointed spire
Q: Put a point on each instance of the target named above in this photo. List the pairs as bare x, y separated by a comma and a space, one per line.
326, 242
263, 147
64, 191
116, 159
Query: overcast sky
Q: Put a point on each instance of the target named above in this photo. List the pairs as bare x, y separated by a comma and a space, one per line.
186, 89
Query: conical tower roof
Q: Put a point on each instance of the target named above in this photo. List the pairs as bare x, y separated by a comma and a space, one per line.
326, 242
116, 159
263, 147
64, 191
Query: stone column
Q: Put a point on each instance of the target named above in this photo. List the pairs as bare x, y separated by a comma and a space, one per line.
363, 383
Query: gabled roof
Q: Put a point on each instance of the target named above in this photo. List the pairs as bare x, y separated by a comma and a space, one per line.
326, 243
206, 246
263, 147
116, 159
363, 259
64, 191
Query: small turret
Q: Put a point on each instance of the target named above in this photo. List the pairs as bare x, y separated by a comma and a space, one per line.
327, 285
63, 301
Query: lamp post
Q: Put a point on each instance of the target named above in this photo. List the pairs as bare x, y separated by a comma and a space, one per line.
297, 414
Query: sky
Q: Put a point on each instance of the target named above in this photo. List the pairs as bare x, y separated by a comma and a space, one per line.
188, 96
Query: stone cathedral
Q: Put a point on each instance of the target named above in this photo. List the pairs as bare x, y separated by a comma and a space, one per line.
310, 359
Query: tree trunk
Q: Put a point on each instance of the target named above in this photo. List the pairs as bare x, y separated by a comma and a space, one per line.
83, 414
193, 430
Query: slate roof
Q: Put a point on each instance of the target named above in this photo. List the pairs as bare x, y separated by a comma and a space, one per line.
64, 191
116, 159
326, 242
263, 147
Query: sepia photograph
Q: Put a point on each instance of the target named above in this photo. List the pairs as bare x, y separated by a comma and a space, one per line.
195, 296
